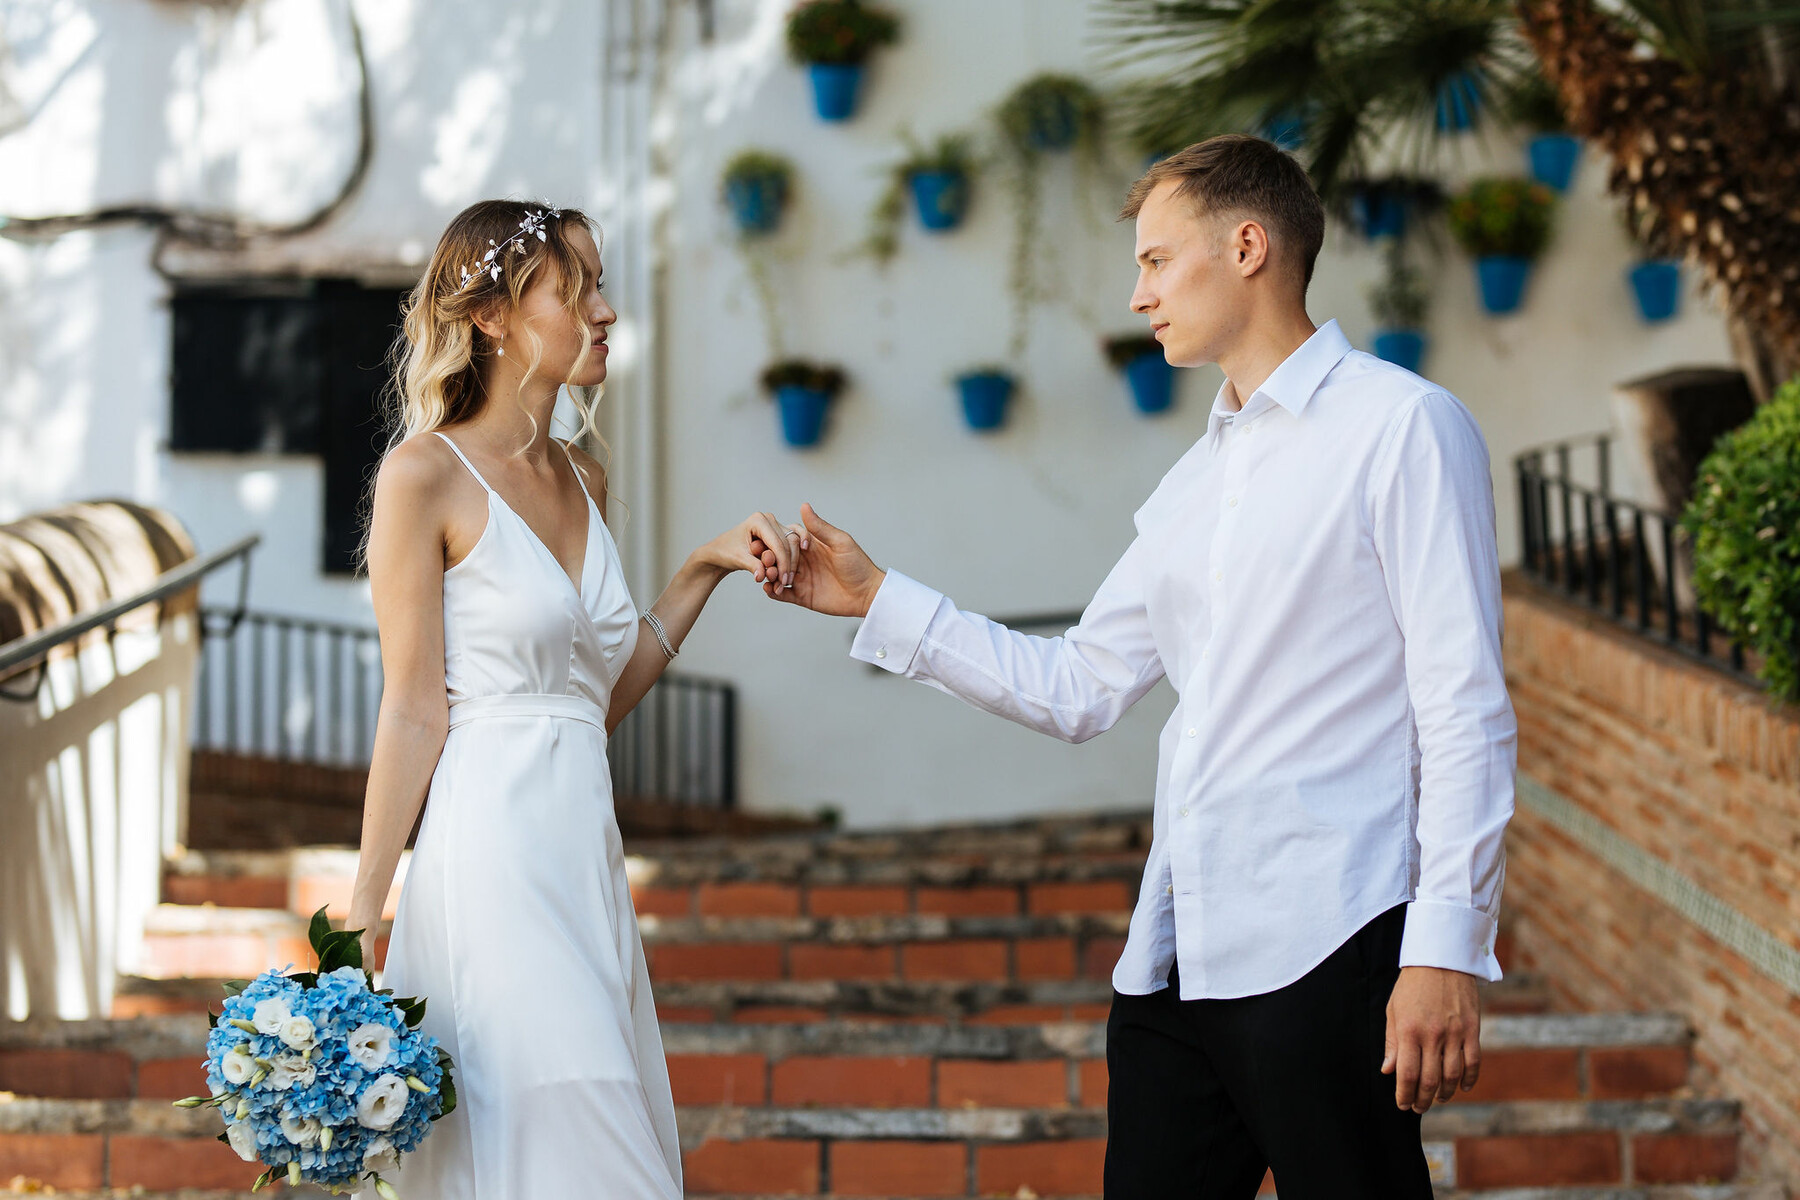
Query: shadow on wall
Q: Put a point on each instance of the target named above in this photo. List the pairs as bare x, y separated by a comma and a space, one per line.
94, 745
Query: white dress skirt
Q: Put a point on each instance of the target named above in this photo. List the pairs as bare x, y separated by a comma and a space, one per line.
515, 920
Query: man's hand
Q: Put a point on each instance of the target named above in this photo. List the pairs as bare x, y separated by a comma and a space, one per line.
834, 577
1433, 1036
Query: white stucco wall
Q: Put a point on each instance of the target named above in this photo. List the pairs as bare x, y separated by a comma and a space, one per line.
473, 100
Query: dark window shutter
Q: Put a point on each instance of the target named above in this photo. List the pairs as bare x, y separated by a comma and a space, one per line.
246, 368
359, 330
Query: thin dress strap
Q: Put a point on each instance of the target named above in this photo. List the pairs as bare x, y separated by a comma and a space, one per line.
580, 479
457, 450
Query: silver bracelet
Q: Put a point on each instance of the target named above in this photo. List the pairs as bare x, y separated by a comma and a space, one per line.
662, 637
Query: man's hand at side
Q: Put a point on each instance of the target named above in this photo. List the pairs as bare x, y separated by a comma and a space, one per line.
1433, 1036
835, 577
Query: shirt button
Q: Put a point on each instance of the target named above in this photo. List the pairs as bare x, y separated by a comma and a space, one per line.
1193, 733
1218, 576
1206, 653
881, 653
1232, 502
1170, 889
1184, 810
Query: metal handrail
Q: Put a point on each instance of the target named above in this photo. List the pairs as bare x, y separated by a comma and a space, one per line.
24, 650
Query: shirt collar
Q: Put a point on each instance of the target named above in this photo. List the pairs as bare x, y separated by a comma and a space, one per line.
1292, 384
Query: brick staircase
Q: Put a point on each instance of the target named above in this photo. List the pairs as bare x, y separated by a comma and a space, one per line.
880, 1015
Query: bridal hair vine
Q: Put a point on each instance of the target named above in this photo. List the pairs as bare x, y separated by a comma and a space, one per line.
533, 223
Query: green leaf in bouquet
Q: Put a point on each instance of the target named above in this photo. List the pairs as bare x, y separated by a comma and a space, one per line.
340, 949
306, 979
223, 1138
446, 1085
317, 931
212, 1019
235, 987
415, 1012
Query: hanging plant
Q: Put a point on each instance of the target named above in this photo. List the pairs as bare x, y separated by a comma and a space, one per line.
940, 179
803, 391
834, 39
1047, 114
1655, 282
986, 393
1147, 371
1553, 151
1505, 225
1399, 303
1386, 206
756, 186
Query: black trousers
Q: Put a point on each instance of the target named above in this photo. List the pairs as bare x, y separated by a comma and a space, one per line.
1205, 1095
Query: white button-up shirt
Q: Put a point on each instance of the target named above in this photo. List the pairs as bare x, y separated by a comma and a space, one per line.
1318, 579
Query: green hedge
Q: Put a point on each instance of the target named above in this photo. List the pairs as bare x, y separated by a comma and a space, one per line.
1745, 522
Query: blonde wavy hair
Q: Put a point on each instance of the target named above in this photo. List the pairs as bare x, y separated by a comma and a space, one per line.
438, 376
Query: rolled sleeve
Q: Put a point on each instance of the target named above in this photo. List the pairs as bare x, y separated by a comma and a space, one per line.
890, 635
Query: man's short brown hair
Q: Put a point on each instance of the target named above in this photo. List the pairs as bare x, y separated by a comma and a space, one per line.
1236, 175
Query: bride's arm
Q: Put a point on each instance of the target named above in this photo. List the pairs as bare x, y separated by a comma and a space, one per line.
406, 578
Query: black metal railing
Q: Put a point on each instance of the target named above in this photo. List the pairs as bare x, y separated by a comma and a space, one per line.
300, 690
1625, 561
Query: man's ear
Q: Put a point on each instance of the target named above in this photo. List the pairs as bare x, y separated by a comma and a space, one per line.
1250, 247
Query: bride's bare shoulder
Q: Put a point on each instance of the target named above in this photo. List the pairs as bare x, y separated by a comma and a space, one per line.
418, 468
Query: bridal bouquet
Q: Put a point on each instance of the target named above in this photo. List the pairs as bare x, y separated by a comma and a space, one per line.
320, 1078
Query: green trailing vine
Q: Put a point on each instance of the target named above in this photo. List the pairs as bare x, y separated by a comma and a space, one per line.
760, 169
1047, 114
952, 153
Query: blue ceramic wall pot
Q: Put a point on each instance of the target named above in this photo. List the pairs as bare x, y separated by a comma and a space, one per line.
1656, 283
1402, 347
942, 198
1458, 102
1055, 124
836, 87
1378, 212
1502, 278
1152, 381
802, 414
756, 203
985, 396
1553, 158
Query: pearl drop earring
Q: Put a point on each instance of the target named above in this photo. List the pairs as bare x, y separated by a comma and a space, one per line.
501, 348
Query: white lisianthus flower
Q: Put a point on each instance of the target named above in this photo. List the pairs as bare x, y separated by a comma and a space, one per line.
270, 1014
289, 1071
298, 1033
238, 1065
242, 1139
372, 1045
302, 1131
380, 1155
381, 1104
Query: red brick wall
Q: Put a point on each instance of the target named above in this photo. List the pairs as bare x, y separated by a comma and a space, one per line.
1704, 775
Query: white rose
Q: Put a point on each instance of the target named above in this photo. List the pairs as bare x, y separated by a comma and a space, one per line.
372, 1045
381, 1156
238, 1066
297, 1033
269, 1015
382, 1103
290, 1070
243, 1140
302, 1131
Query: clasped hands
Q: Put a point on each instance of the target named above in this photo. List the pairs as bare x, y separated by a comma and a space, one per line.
813, 564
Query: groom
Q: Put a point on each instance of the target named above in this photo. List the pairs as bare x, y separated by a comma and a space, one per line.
1318, 578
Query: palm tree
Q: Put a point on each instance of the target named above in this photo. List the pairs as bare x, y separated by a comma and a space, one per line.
1695, 101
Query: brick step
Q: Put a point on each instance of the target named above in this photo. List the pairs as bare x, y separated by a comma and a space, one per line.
977, 1151
189, 940
1046, 1065
876, 948
303, 880
92, 1144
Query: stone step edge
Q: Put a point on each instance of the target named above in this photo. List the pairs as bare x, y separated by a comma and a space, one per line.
170, 1036
1458, 1119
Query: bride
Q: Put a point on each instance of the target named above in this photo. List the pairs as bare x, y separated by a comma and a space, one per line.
511, 649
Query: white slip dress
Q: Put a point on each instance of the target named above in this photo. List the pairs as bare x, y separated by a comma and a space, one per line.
515, 920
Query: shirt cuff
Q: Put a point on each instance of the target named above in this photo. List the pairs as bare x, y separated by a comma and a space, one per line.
891, 633
1451, 937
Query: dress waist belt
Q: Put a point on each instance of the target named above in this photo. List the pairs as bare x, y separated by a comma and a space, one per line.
528, 704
